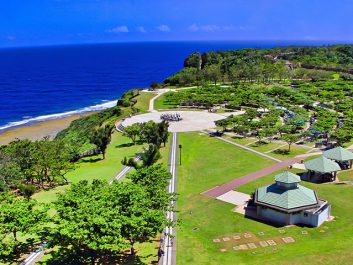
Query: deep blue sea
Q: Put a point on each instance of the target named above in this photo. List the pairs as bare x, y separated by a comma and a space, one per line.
49, 82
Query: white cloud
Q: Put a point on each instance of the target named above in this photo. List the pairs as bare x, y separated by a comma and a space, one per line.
210, 28
194, 27
213, 28
141, 29
163, 28
119, 29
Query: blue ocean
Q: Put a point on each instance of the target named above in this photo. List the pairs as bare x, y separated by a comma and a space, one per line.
41, 83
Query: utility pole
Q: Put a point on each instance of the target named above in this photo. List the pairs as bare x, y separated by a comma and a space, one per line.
180, 146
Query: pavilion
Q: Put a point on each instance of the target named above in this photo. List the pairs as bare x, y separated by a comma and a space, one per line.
340, 155
325, 168
287, 202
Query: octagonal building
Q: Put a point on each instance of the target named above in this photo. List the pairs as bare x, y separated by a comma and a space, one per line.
286, 202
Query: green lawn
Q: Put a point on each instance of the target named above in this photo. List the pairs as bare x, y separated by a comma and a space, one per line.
214, 218
294, 151
240, 140
208, 162
346, 175
264, 146
163, 103
143, 101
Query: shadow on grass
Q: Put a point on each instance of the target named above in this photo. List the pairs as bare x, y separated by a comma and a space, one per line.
281, 152
91, 160
70, 256
259, 143
124, 145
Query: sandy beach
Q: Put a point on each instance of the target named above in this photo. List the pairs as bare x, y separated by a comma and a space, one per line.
38, 130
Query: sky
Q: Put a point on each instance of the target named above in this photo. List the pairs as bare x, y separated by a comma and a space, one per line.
55, 22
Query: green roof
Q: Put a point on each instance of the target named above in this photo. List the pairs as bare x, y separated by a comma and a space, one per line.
339, 154
287, 177
286, 199
322, 165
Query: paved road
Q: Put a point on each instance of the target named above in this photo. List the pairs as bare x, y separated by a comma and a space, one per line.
168, 244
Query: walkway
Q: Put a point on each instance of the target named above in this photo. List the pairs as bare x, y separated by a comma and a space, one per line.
220, 190
160, 93
168, 241
124, 171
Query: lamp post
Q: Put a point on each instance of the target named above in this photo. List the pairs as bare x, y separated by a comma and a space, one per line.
180, 146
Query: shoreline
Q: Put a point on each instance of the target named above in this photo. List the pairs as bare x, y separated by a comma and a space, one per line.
38, 130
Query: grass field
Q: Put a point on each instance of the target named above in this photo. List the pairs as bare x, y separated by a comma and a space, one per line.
239, 140
143, 101
207, 162
202, 219
266, 146
294, 151
163, 103
346, 175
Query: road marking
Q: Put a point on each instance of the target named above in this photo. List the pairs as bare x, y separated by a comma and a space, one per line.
33, 257
170, 234
124, 171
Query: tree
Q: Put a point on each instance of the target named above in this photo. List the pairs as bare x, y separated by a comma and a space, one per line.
101, 137
129, 162
342, 136
99, 218
27, 190
163, 131
132, 132
149, 132
140, 221
150, 155
213, 73
51, 161
89, 220
19, 215
154, 85
21, 152
223, 123
290, 139
154, 179
9, 171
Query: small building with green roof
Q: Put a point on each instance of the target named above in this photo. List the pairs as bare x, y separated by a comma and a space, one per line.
287, 202
322, 167
340, 155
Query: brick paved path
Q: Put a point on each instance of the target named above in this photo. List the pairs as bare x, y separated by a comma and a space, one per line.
219, 190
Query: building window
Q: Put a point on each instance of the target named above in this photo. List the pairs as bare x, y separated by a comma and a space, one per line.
306, 214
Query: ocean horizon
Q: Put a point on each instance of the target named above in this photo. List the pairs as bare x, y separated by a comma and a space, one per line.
50, 82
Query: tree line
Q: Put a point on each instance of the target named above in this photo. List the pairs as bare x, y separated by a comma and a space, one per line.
265, 65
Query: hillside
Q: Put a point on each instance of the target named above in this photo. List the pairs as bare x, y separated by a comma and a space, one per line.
317, 63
